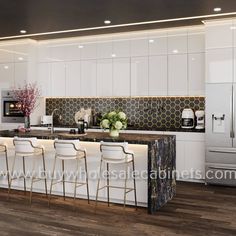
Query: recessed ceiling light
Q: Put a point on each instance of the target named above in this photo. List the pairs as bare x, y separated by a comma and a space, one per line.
20, 58
80, 46
151, 40
107, 22
175, 51
23, 31
217, 9
203, 21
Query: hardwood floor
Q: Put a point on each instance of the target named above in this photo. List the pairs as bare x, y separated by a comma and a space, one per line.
196, 210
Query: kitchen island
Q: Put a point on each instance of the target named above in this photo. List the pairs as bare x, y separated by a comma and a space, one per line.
160, 152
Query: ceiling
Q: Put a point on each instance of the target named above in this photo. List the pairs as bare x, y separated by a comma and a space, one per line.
43, 16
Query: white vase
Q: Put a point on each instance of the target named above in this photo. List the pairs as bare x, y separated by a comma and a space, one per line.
114, 133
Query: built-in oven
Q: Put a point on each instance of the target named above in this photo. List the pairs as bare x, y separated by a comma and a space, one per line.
11, 112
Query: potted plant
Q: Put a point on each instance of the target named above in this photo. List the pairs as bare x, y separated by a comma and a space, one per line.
114, 121
27, 96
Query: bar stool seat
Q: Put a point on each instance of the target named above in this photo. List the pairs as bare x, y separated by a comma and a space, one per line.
69, 150
28, 147
3, 149
116, 153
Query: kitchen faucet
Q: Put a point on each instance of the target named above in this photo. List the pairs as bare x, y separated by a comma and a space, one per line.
52, 128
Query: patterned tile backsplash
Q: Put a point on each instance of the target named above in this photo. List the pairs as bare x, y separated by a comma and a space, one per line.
142, 112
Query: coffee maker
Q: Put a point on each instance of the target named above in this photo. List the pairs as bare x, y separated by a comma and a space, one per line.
82, 125
200, 119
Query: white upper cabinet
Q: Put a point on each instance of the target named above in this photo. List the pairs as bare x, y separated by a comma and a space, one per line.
139, 46
177, 75
21, 73
196, 40
21, 52
6, 53
219, 34
88, 50
43, 53
234, 79
44, 78
73, 78
219, 65
177, 41
104, 77
57, 53
157, 75
139, 76
58, 78
88, 78
234, 32
158, 43
6, 75
121, 77
104, 49
73, 52
121, 47
196, 74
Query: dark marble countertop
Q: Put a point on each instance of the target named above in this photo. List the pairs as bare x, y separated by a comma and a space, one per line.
90, 136
170, 129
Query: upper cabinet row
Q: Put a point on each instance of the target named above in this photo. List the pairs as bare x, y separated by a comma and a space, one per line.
133, 45
221, 51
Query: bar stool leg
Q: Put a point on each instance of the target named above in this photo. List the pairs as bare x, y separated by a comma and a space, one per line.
135, 194
86, 169
108, 194
126, 174
32, 181
63, 180
45, 175
53, 170
76, 178
23, 158
11, 177
99, 177
7, 166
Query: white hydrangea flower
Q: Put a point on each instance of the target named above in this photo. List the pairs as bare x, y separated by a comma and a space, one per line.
122, 115
105, 123
112, 113
118, 125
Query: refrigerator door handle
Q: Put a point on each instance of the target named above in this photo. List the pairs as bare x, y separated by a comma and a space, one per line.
232, 114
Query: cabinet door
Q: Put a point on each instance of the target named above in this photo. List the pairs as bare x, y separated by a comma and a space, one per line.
234, 79
88, 78
44, 78
6, 54
157, 75
21, 73
104, 77
180, 159
158, 44
196, 41
219, 34
177, 42
121, 48
104, 49
58, 75
139, 47
139, 76
88, 50
6, 75
196, 74
219, 65
73, 78
121, 77
21, 52
177, 75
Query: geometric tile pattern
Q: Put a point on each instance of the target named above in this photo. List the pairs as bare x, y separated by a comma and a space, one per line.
150, 113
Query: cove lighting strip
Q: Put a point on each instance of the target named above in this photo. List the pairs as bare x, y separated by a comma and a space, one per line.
120, 25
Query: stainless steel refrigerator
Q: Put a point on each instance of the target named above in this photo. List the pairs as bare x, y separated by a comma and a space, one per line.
220, 165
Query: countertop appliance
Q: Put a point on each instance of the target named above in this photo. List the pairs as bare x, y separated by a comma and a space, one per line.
11, 112
46, 120
187, 118
81, 126
220, 165
200, 119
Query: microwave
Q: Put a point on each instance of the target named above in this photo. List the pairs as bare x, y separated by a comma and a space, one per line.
11, 110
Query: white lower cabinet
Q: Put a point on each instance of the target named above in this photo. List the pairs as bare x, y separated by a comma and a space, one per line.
190, 156
88, 78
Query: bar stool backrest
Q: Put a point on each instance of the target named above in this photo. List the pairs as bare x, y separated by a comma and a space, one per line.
24, 145
113, 150
66, 148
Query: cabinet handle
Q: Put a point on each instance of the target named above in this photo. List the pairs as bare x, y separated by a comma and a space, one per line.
221, 151
221, 168
232, 113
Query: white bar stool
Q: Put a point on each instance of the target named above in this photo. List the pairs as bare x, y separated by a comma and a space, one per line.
69, 150
116, 153
3, 150
28, 147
